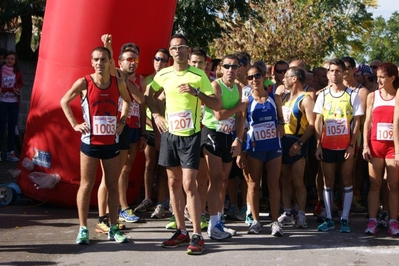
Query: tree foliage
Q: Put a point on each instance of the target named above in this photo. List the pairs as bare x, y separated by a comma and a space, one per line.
199, 20
382, 42
17, 15
288, 29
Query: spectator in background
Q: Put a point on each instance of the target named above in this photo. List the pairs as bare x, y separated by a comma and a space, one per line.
11, 83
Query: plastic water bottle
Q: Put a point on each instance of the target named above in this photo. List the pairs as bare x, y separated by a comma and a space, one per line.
28, 164
44, 180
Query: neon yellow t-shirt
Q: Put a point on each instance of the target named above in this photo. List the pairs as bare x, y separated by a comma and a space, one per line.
183, 110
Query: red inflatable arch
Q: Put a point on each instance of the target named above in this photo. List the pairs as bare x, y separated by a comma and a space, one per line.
70, 32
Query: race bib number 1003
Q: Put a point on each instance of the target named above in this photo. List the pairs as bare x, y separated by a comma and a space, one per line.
104, 125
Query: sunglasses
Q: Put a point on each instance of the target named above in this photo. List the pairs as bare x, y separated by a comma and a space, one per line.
178, 47
163, 60
131, 60
227, 66
256, 76
374, 67
280, 71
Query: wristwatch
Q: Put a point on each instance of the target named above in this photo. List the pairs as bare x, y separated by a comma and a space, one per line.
123, 121
197, 92
300, 143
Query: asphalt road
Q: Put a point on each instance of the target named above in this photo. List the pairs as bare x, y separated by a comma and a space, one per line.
32, 233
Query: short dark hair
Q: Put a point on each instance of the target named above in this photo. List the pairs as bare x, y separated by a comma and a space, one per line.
231, 56
280, 62
244, 58
164, 51
257, 67
337, 62
299, 73
130, 47
350, 60
102, 49
180, 36
198, 52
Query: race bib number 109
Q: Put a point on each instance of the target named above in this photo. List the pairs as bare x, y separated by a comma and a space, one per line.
385, 131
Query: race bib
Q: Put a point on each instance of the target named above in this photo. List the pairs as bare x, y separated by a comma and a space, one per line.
287, 114
180, 121
134, 109
385, 131
265, 131
104, 125
336, 127
226, 126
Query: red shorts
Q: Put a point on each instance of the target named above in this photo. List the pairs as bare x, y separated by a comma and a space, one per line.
382, 149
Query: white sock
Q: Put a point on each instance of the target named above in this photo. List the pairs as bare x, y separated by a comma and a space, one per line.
213, 219
248, 208
347, 202
327, 195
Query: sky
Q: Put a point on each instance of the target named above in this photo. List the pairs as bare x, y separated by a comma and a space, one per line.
385, 8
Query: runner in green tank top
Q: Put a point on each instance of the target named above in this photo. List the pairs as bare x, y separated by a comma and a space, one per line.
218, 145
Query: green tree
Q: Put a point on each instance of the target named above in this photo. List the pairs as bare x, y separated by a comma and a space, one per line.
382, 42
305, 29
16, 15
198, 20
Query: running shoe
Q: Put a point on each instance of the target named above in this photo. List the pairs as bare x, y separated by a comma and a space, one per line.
241, 215
285, 219
115, 234
204, 223
102, 227
344, 226
11, 157
231, 214
144, 206
383, 219
393, 228
172, 223
328, 224
301, 221
197, 245
248, 219
228, 230
255, 228
128, 216
218, 233
159, 212
276, 229
178, 239
371, 228
83, 236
